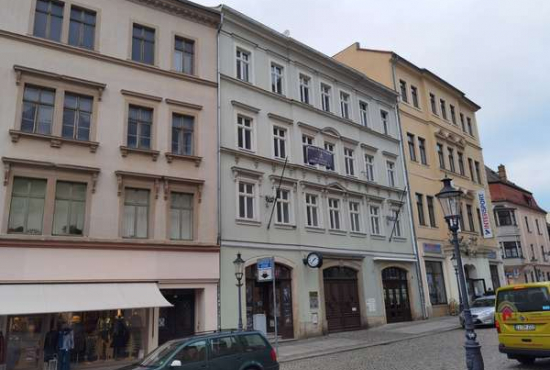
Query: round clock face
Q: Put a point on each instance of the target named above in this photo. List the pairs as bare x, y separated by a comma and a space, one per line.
313, 260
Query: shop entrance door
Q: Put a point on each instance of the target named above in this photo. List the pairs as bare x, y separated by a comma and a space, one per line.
177, 321
495, 276
259, 300
396, 295
341, 299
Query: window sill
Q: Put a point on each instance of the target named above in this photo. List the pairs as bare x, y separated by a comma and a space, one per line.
242, 221
170, 157
313, 229
358, 234
378, 237
55, 141
285, 226
399, 239
337, 232
154, 154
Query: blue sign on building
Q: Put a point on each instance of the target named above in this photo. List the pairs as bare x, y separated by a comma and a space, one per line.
432, 248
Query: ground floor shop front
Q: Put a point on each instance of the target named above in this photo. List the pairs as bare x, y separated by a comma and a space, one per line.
90, 317
348, 292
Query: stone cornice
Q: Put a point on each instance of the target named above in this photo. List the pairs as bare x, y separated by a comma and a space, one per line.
185, 9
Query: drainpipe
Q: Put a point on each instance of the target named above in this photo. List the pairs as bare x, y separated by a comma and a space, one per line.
409, 201
218, 164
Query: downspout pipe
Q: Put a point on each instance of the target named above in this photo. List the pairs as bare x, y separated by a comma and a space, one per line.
409, 199
218, 162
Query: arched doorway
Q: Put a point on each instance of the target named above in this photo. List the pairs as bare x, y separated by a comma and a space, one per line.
396, 294
259, 300
341, 299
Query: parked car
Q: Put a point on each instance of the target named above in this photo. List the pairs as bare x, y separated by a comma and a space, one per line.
483, 311
246, 350
522, 321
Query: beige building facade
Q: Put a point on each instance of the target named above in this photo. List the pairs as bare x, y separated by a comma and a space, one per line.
108, 204
440, 137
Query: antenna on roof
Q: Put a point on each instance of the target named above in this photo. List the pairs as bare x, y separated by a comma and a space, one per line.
287, 33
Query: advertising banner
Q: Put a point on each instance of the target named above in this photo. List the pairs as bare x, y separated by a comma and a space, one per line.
485, 217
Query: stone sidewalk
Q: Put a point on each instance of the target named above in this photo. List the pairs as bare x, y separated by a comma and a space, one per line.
351, 340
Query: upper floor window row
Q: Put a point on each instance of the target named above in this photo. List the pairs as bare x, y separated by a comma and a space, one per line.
404, 93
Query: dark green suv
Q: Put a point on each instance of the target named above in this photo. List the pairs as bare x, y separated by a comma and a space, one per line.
246, 350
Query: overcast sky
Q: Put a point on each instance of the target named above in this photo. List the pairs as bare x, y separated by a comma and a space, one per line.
496, 51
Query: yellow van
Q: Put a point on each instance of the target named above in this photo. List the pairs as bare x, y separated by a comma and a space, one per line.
522, 319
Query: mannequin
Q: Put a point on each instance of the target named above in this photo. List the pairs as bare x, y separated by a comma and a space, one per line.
50, 343
65, 344
120, 337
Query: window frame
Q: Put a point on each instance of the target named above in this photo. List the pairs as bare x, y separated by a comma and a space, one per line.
290, 204
154, 121
364, 113
440, 273
305, 90
280, 142
196, 129
375, 216
96, 25
385, 121
453, 113
370, 167
440, 150
144, 25
414, 97
70, 202
254, 196
461, 167
431, 211
249, 63
326, 97
451, 159
335, 213
403, 91
64, 26
422, 150
318, 207
443, 109
411, 144
355, 216
391, 173
433, 103
345, 105
252, 130
349, 161
311, 139
396, 225
276, 65
420, 209
185, 38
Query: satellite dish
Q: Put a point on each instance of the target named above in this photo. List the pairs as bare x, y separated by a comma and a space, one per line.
287, 33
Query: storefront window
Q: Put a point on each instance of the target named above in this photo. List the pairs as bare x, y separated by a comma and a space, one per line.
436, 283
89, 338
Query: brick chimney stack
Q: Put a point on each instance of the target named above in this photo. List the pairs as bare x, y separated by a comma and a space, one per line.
502, 173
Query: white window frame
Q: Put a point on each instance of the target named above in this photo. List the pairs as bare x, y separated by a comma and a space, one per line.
254, 196
290, 204
364, 113
375, 215
279, 141
396, 223
318, 208
334, 212
304, 77
333, 151
345, 104
273, 65
249, 63
390, 170
312, 138
371, 165
355, 219
252, 130
385, 121
328, 95
349, 161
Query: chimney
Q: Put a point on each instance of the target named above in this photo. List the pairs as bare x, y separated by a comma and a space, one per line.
502, 173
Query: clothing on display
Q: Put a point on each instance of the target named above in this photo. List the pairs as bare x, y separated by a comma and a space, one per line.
65, 343
50, 345
2, 348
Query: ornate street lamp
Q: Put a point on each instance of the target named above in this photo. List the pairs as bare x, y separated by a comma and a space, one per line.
450, 200
239, 266
455, 265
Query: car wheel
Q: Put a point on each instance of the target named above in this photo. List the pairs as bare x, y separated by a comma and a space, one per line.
526, 360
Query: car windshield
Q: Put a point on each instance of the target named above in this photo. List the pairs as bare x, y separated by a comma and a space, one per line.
484, 302
524, 299
160, 355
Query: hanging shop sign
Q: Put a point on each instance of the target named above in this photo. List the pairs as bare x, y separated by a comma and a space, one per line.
485, 218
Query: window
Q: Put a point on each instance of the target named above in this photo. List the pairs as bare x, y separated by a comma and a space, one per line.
396, 223
479, 222
182, 134
453, 114
412, 147
478, 172
390, 167
470, 129
538, 227
246, 200
136, 213
334, 213
283, 206
279, 142
143, 44
443, 108
184, 55
505, 217
543, 253
181, 216
451, 159
422, 150
470, 218
403, 87
414, 95
304, 89
243, 65
325, 97
462, 228
527, 224
48, 19
433, 104
330, 148
384, 118
349, 161
244, 132
27, 206
462, 122
436, 283
82, 28
355, 216
344, 104
253, 342
369, 167
140, 122
38, 107
533, 257
192, 353
77, 116
420, 209
375, 220
461, 163
512, 249
471, 167
70, 207
440, 156
224, 346
312, 210
306, 141
431, 210
276, 78
364, 113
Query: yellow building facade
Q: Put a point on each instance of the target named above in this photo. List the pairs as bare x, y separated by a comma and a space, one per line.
440, 138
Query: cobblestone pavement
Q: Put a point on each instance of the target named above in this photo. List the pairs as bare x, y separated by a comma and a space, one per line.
443, 351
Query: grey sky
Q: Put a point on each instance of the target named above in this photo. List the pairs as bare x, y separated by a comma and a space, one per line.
496, 51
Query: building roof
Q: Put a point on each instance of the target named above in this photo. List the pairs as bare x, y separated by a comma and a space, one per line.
503, 190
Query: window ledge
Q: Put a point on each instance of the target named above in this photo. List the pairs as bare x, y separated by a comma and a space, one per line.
285, 226
313, 229
242, 221
170, 157
124, 150
337, 232
55, 141
399, 239
378, 237
358, 234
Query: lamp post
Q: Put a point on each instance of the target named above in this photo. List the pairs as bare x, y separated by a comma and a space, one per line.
450, 200
239, 264
455, 265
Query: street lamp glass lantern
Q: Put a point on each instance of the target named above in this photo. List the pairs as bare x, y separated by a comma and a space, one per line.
239, 264
450, 199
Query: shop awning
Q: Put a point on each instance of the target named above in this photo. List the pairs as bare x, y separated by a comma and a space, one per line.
21, 299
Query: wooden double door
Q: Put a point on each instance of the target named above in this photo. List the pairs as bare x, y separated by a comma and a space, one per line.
396, 295
342, 305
